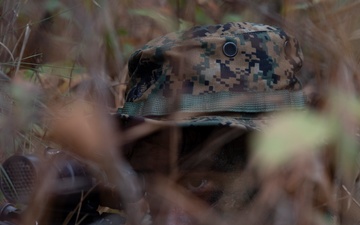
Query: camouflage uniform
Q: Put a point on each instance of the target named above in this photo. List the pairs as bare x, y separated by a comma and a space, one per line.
205, 79
215, 75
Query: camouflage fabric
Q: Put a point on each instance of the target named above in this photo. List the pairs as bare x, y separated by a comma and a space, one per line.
236, 67
247, 123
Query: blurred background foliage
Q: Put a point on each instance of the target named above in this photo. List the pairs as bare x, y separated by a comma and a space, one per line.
57, 53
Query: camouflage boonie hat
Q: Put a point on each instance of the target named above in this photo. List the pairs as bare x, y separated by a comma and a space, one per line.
226, 74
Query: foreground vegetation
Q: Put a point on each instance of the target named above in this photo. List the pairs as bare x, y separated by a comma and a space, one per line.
62, 71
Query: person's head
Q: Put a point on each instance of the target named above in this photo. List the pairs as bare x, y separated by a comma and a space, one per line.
204, 91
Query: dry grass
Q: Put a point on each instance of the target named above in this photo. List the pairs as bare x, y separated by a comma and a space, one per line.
62, 69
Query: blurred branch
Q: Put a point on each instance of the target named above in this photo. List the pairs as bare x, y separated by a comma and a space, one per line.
26, 38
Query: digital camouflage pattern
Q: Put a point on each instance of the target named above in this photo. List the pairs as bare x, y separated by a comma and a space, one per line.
236, 67
218, 83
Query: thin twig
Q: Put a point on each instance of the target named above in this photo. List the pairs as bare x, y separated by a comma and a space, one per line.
350, 195
8, 50
26, 38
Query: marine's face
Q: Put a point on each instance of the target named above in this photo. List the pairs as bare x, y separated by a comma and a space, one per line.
201, 180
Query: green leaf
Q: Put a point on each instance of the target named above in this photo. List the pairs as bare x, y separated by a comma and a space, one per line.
122, 32
230, 17
201, 17
64, 69
184, 25
52, 5
290, 135
28, 74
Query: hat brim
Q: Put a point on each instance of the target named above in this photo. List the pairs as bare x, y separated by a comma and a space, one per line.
245, 122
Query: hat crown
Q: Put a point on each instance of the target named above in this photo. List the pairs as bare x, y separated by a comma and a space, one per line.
216, 62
